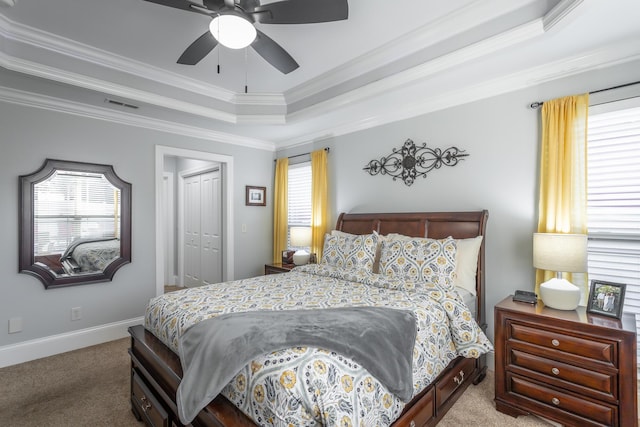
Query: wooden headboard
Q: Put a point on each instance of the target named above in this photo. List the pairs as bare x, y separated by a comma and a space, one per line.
435, 225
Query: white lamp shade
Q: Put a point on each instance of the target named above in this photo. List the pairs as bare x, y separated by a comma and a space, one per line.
300, 236
560, 252
232, 31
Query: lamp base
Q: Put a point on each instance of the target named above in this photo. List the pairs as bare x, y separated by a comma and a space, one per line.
560, 294
301, 257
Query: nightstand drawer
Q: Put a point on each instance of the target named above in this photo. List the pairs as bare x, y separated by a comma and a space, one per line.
584, 381
573, 409
604, 352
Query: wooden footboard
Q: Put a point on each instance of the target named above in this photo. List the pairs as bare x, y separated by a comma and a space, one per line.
156, 374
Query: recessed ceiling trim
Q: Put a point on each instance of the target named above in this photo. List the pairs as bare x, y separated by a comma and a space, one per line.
421, 72
36, 100
432, 33
63, 46
426, 103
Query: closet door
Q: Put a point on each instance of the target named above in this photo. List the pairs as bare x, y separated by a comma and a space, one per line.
211, 225
192, 235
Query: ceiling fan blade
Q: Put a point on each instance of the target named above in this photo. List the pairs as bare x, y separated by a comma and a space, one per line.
198, 49
301, 12
213, 4
178, 4
273, 53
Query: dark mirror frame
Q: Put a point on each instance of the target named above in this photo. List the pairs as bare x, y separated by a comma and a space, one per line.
26, 237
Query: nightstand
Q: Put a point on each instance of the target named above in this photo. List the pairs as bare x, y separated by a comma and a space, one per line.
571, 367
277, 268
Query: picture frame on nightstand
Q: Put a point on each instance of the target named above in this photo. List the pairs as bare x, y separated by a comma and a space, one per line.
606, 298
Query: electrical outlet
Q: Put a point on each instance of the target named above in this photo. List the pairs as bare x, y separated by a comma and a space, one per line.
15, 325
76, 313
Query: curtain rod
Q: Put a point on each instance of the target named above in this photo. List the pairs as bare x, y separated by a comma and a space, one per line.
327, 149
538, 104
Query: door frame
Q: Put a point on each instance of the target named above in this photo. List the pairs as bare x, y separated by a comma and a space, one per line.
169, 220
226, 169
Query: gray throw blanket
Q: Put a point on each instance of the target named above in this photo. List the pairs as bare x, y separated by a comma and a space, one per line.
213, 351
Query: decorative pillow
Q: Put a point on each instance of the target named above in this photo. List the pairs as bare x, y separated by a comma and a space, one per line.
466, 260
350, 251
420, 260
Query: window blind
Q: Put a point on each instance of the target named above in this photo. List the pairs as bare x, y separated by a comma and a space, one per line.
299, 196
613, 206
67, 209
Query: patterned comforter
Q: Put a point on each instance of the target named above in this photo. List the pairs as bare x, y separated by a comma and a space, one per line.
306, 386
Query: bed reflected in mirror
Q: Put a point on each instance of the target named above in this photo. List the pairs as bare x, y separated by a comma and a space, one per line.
75, 223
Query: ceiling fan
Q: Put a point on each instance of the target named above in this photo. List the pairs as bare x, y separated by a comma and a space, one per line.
248, 12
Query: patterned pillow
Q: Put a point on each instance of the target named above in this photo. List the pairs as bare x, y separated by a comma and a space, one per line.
350, 251
420, 260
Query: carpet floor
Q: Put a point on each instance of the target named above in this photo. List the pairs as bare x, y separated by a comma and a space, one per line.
90, 387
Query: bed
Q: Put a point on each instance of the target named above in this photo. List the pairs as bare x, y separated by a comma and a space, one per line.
156, 370
90, 255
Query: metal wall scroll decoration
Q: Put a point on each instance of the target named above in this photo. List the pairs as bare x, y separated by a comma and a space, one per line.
410, 161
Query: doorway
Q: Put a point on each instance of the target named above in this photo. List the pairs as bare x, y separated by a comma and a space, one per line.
167, 154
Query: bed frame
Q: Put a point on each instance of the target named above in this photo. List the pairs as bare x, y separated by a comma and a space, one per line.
156, 370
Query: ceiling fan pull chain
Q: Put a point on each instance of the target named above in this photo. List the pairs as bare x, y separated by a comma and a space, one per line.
218, 51
246, 66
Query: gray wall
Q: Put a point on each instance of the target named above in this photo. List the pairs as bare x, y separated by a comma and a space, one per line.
501, 136
28, 136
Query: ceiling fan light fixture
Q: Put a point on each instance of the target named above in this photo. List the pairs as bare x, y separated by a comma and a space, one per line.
232, 31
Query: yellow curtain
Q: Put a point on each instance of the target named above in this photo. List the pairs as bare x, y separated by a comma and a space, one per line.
318, 201
562, 205
280, 208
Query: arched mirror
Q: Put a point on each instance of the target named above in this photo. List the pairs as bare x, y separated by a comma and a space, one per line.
75, 223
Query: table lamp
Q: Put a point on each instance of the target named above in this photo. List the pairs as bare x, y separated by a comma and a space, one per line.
300, 237
560, 253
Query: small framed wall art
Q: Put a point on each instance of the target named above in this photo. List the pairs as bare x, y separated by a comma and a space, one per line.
256, 196
606, 298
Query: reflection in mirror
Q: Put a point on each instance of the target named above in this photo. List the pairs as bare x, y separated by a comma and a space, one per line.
76, 225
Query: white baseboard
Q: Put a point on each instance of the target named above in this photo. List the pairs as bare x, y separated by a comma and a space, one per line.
61, 343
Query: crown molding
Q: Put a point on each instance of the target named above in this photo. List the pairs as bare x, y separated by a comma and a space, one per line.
35, 100
560, 12
603, 57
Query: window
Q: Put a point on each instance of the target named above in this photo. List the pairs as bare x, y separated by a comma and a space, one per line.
299, 196
613, 205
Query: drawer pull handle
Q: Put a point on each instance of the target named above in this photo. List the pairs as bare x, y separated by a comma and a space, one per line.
555, 343
555, 371
146, 405
459, 380
555, 401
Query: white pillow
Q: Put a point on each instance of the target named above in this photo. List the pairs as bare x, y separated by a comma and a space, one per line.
466, 260
467, 263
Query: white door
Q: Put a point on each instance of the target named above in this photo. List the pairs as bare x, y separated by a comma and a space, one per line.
202, 229
211, 224
191, 229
